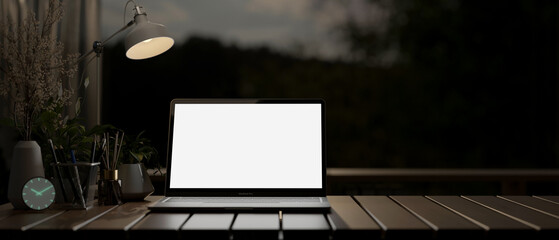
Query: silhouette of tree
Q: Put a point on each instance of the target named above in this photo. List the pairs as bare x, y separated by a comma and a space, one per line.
478, 79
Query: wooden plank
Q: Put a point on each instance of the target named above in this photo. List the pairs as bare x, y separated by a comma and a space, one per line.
554, 199
159, 226
256, 221
395, 221
161, 221
208, 225
67, 223
13, 225
256, 226
209, 221
498, 226
304, 226
537, 204
122, 217
22, 220
117, 222
72, 220
446, 223
547, 226
349, 221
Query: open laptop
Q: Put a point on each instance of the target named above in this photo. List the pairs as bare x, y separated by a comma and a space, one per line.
245, 154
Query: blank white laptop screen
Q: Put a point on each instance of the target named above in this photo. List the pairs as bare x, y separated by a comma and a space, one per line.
252, 146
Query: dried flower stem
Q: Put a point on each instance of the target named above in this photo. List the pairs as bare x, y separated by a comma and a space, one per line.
27, 53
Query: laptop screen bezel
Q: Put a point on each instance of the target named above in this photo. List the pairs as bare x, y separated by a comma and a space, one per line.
244, 191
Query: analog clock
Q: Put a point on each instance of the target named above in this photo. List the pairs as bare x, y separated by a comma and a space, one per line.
38, 193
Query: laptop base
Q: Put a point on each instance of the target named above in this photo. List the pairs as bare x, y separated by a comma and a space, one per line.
242, 204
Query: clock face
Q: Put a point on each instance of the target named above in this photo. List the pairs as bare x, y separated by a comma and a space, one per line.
38, 193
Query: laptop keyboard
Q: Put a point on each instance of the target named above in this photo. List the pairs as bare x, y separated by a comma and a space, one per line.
243, 199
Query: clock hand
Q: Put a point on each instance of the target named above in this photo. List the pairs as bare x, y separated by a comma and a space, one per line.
37, 193
41, 192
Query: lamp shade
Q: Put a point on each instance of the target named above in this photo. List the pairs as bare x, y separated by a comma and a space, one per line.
147, 39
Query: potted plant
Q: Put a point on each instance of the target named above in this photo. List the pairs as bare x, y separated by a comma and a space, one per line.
33, 70
134, 179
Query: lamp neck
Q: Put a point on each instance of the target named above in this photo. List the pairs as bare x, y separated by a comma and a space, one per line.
140, 18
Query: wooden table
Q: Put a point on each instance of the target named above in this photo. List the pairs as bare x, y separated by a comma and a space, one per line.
352, 217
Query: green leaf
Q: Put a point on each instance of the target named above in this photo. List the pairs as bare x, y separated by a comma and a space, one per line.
78, 106
86, 82
138, 157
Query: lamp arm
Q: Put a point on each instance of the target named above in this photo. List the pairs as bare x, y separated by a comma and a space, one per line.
98, 46
117, 32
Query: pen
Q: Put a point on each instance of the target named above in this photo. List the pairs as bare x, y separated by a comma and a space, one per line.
73, 156
59, 175
76, 180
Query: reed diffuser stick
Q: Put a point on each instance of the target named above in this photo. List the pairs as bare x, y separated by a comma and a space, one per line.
115, 150
110, 158
119, 148
108, 186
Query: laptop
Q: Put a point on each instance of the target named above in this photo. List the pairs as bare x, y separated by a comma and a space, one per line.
245, 155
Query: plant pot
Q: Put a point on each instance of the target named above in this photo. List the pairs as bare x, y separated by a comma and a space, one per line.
134, 181
27, 162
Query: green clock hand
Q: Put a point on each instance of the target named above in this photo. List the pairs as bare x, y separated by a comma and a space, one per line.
36, 192
42, 191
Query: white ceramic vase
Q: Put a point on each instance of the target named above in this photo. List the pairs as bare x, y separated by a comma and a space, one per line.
27, 162
134, 181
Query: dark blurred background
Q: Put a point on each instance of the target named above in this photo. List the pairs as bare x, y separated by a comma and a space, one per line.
442, 84
408, 84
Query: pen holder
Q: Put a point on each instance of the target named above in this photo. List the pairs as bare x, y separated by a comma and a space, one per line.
109, 189
75, 184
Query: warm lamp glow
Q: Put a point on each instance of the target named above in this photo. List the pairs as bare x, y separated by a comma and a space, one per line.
150, 48
147, 39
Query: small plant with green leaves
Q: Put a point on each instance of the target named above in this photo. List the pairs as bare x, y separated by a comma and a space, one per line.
138, 149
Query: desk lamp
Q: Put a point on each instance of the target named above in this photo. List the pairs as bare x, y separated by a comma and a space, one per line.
145, 40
